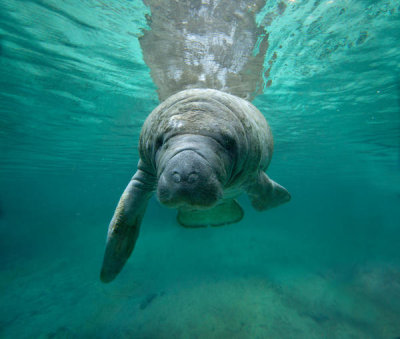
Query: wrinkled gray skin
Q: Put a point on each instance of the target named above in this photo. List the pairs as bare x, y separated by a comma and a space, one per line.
198, 148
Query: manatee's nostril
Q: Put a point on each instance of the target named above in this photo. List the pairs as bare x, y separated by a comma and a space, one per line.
192, 177
176, 177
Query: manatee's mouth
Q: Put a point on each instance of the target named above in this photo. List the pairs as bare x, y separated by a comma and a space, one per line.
178, 201
203, 198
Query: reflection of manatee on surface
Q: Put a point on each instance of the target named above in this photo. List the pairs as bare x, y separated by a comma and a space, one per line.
204, 145
198, 44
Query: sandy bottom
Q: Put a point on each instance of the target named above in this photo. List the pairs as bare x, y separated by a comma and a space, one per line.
182, 284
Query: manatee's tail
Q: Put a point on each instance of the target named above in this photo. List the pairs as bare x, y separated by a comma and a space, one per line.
205, 44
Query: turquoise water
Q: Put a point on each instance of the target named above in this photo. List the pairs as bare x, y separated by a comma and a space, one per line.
74, 93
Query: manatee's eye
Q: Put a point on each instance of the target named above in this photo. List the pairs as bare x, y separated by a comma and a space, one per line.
159, 142
228, 142
176, 177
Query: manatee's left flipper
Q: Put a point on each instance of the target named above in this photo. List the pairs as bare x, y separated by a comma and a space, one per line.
265, 193
124, 227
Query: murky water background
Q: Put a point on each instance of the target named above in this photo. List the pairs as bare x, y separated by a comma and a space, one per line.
74, 94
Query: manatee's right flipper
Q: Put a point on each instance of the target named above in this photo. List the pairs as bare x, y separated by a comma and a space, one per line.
124, 227
265, 193
227, 212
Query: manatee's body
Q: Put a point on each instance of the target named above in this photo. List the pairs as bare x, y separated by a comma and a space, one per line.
199, 150
228, 131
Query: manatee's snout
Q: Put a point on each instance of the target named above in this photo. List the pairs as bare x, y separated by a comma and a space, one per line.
188, 179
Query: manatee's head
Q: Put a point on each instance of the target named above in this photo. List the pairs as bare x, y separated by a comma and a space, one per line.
190, 174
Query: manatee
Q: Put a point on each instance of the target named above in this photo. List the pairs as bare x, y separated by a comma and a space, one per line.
205, 144
199, 150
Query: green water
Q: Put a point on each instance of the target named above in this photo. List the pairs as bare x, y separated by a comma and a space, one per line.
74, 93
